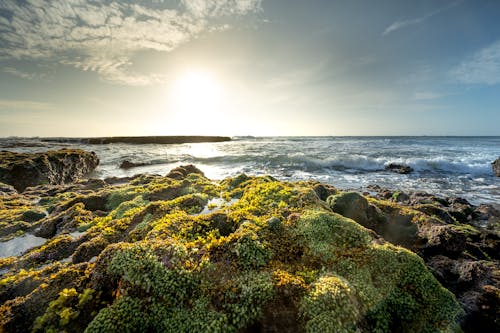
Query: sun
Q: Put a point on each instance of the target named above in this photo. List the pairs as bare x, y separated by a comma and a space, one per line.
196, 93
196, 103
198, 88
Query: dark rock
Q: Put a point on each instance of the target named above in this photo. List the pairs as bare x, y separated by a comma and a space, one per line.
117, 180
23, 170
444, 239
496, 167
434, 210
141, 139
476, 286
32, 215
126, 164
398, 168
67, 220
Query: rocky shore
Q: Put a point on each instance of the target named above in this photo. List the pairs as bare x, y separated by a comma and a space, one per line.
247, 254
22, 170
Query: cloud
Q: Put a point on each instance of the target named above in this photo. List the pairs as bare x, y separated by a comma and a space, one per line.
19, 73
399, 24
104, 36
483, 67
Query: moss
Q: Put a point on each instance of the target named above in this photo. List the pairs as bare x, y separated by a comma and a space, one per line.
329, 236
115, 198
330, 306
127, 208
276, 255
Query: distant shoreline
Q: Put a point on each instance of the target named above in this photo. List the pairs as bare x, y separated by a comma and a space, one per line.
141, 139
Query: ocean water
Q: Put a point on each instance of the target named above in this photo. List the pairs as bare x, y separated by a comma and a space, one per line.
448, 166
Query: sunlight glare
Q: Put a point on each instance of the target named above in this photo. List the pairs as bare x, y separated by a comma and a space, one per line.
196, 99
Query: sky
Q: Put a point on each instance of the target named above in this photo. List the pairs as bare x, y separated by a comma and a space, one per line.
249, 67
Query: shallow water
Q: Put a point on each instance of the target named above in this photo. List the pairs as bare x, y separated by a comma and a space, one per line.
458, 166
18, 245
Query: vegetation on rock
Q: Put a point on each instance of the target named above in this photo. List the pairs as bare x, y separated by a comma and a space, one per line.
270, 255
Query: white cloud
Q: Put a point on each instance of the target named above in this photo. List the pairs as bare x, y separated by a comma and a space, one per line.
483, 67
399, 24
19, 73
104, 37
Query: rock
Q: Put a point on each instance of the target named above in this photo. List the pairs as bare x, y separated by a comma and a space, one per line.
22, 170
182, 171
350, 204
399, 168
496, 167
126, 164
476, 287
323, 191
149, 258
7, 189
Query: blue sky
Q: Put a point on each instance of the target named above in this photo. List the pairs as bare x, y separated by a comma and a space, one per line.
249, 67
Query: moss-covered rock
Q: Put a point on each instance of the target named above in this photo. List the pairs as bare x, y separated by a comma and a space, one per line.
22, 170
271, 256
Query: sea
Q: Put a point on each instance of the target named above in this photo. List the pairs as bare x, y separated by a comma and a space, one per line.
444, 166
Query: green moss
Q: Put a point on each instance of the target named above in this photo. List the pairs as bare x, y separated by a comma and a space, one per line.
329, 236
127, 208
330, 306
115, 198
250, 251
278, 253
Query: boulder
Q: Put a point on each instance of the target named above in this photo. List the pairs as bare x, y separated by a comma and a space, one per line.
182, 171
355, 206
126, 164
22, 170
496, 167
399, 168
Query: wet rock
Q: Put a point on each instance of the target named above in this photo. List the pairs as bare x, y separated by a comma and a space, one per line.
126, 164
496, 167
22, 170
67, 220
399, 168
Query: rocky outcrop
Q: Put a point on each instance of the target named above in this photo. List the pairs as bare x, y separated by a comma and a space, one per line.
399, 168
459, 242
267, 256
184, 170
496, 167
141, 139
126, 164
22, 170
